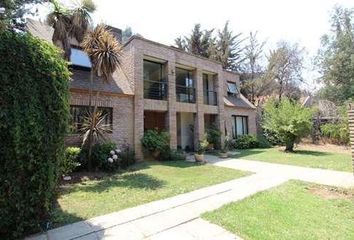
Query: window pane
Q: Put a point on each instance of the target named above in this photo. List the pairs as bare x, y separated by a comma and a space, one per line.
153, 71
239, 126
79, 58
184, 77
232, 88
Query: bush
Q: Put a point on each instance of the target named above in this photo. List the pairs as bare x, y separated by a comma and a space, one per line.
155, 141
127, 156
172, 155
34, 99
246, 142
337, 132
288, 120
71, 160
213, 136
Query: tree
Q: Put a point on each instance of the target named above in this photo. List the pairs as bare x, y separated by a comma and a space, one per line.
15, 10
70, 23
126, 34
197, 43
285, 65
288, 120
34, 100
252, 81
335, 58
104, 52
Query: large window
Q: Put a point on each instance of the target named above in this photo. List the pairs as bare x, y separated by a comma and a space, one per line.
185, 91
78, 114
232, 88
155, 86
240, 125
79, 58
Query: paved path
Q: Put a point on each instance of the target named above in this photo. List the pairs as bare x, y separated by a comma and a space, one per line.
178, 217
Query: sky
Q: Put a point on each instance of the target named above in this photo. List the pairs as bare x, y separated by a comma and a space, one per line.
302, 21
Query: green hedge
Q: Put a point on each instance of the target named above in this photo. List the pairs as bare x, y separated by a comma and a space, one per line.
34, 99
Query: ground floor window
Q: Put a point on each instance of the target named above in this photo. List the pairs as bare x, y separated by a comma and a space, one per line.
240, 125
78, 114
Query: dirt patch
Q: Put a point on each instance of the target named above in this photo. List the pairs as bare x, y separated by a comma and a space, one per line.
331, 192
79, 177
323, 147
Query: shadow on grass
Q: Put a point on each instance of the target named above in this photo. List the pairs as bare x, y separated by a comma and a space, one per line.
311, 153
274, 151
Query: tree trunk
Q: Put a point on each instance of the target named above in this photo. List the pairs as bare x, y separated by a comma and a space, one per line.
91, 112
289, 145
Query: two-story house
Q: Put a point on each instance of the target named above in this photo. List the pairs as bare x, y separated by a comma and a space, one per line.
160, 87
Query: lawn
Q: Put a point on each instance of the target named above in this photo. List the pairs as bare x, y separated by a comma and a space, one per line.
149, 181
295, 210
306, 158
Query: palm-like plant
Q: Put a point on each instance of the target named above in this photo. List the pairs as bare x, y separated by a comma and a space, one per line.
81, 19
95, 120
104, 51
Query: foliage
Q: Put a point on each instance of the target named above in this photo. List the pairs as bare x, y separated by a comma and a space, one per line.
154, 140
171, 155
338, 132
213, 136
202, 146
34, 99
126, 156
228, 144
246, 142
225, 47
71, 160
16, 11
288, 120
335, 58
285, 65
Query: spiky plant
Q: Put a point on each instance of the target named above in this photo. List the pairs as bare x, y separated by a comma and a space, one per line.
81, 19
94, 121
104, 51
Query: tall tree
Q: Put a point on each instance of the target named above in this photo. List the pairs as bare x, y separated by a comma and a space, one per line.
285, 65
336, 57
252, 68
15, 10
105, 52
229, 49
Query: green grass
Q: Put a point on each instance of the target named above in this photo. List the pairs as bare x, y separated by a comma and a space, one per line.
305, 158
290, 211
150, 181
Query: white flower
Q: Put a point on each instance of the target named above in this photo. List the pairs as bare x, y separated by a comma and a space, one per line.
112, 152
115, 157
110, 160
118, 150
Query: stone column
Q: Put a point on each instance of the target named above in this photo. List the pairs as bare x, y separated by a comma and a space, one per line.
351, 130
138, 106
171, 114
199, 118
221, 107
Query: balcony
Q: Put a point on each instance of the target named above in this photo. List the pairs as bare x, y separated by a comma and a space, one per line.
156, 90
210, 98
185, 94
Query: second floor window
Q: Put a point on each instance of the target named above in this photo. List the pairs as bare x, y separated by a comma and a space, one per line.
232, 88
79, 58
185, 91
155, 86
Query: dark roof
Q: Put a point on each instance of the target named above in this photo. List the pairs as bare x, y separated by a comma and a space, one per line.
239, 101
81, 80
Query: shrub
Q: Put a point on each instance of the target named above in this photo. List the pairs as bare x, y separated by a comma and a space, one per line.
34, 99
287, 120
202, 146
246, 141
127, 156
213, 136
71, 160
337, 132
172, 155
155, 141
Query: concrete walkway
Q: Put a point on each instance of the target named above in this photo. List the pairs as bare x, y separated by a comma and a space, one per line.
178, 217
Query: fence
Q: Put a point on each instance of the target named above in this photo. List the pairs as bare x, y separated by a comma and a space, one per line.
351, 130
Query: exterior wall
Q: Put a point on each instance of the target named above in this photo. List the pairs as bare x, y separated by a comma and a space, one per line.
251, 113
122, 114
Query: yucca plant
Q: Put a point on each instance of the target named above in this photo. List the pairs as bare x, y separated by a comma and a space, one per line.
96, 121
105, 52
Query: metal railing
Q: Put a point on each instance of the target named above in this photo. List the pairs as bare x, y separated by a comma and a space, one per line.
185, 94
210, 98
155, 90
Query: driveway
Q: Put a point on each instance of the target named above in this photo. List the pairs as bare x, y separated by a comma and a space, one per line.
178, 217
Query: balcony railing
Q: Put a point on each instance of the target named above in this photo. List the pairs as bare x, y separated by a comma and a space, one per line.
185, 94
155, 90
210, 98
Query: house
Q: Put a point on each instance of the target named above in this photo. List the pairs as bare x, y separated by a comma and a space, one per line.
160, 87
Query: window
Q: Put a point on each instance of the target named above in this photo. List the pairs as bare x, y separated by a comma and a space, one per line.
240, 125
79, 58
232, 88
155, 86
185, 91
78, 113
